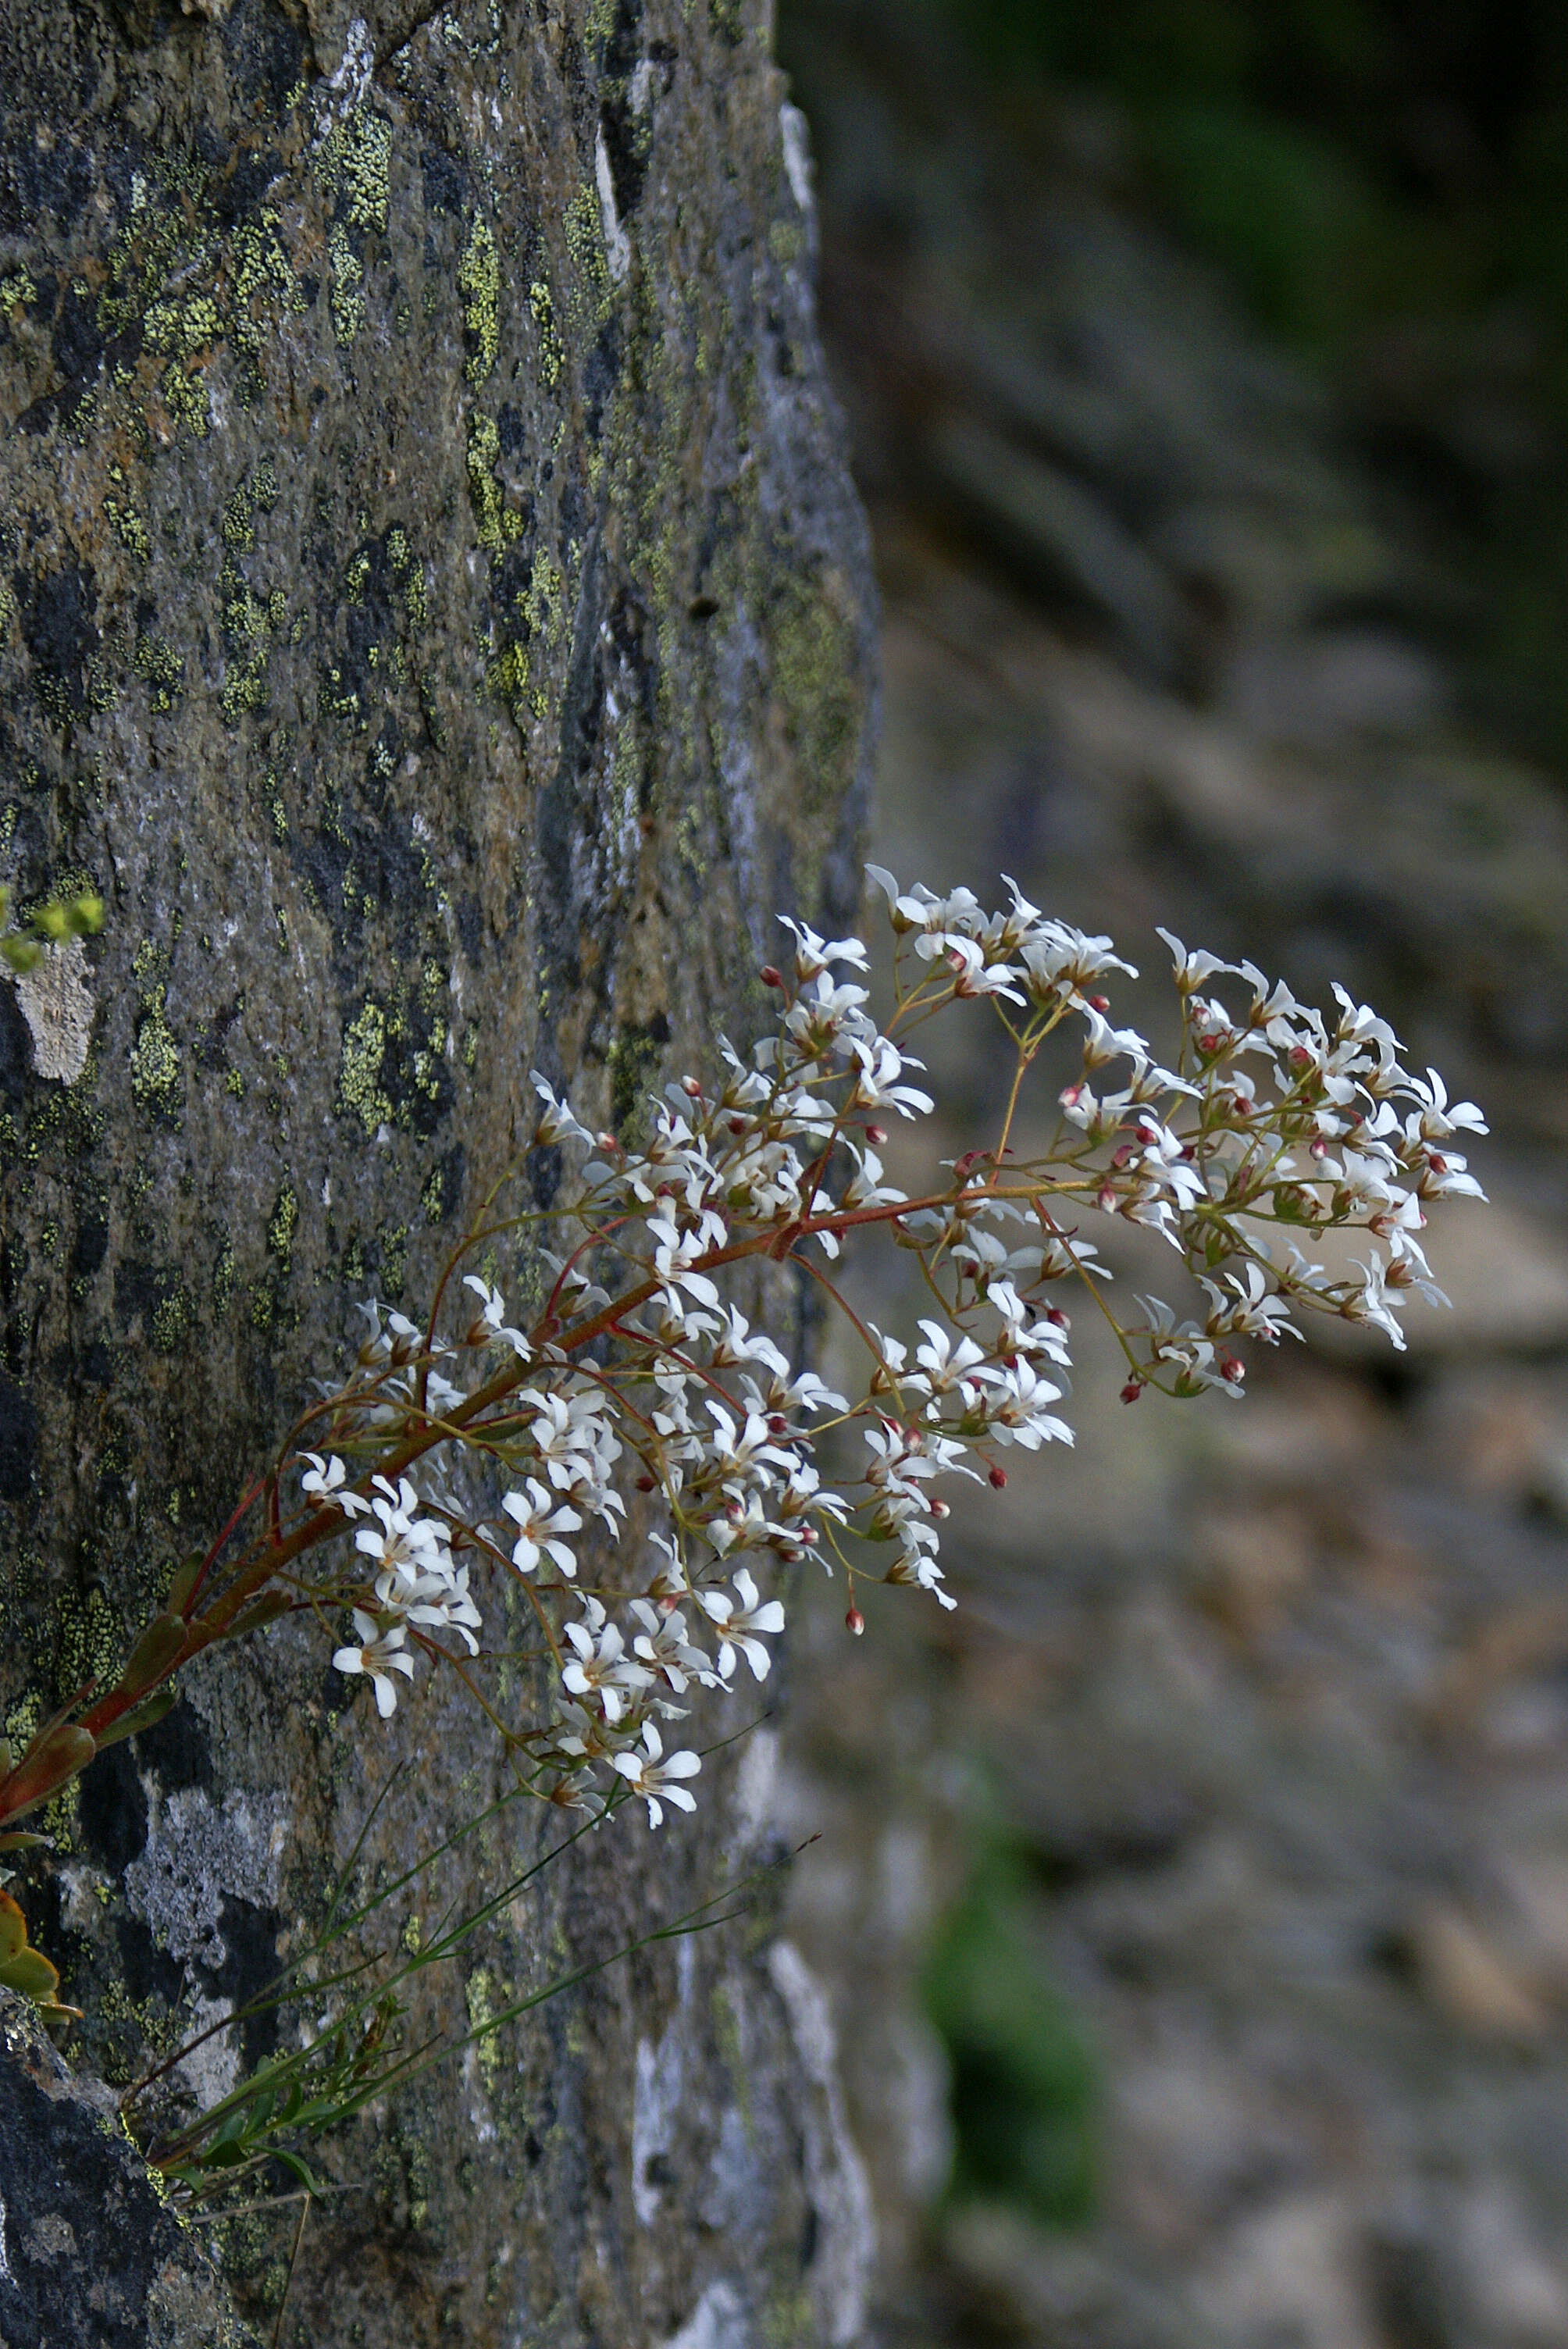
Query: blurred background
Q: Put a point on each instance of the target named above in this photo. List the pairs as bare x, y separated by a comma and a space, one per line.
1194, 1900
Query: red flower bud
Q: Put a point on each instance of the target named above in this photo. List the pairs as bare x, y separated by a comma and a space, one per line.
876, 1135
855, 1621
998, 1476
1098, 1002
771, 975
1132, 1390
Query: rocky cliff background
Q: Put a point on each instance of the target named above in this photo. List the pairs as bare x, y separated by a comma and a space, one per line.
1198, 1892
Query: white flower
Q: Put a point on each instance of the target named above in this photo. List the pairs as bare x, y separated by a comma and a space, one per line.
739, 1620
445, 1605
675, 1253
653, 1775
379, 1654
946, 1366
881, 1066
492, 1316
600, 1670
541, 1521
556, 1122
323, 1481
403, 1543
1015, 1409
1370, 1302
813, 954
1251, 1310
1192, 969
1437, 1116
663, 1647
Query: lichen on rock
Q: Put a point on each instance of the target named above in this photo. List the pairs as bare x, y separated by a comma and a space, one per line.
418, 444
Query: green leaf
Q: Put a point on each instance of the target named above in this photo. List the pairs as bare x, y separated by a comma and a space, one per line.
182, 1582
12, 1929
301, 2169
146, 1715
154, 1656
265, 1610
47, 1766
234, 2124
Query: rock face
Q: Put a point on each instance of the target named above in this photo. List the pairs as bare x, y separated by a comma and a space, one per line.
435, 618
88, 2253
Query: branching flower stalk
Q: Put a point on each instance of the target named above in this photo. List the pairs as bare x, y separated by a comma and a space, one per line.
639, 1382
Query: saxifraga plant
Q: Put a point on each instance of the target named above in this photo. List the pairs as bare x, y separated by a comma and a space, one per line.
639, 1390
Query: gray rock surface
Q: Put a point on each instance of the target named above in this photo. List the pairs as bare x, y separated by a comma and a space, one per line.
435, 616
90, 2257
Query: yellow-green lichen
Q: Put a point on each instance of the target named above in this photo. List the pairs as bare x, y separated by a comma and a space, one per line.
394, 1258
154, 1057
433, 1198
238, 528
173, 1317
16, 291
285, 1224
356, 163
812, 671
484, 489
185, 397
551, 357
260, 266
183, 327
128, 525
544, 600
485, 1998
346, 300
90, 1642
586, 243
359, 1088
479, 283
163, 669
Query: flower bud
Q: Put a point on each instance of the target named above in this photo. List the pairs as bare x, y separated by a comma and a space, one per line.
998, 1476
855, 1621
771, 975
876, 1135
1132, 1390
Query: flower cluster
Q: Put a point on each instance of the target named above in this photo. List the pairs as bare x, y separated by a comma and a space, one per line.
639, 1447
